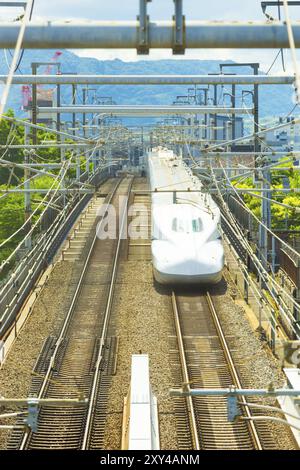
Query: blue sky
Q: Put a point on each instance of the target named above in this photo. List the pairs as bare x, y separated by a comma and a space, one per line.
223, 10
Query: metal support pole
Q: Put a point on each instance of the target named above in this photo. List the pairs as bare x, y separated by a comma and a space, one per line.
273, 254
74, 92
246, 282
205, 90
143, 29
27, 202
34, 105
215, 117
63, 159
233, 101
266, 217
228, 132
58, 123
78, 165
256, 111
211, 130
84, 90
179, 29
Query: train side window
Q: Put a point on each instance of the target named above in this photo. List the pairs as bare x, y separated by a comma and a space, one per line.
197, 225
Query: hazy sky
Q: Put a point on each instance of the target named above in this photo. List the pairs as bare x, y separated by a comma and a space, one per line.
223, 10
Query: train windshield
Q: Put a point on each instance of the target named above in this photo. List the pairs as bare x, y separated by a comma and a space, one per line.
186, 225
197, 225
179, 225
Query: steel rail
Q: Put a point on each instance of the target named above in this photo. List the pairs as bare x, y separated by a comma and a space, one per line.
186, 379
229, 361
94, 389
66, 324
233, 370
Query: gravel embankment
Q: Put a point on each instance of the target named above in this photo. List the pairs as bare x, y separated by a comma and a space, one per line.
143, 324
47, 314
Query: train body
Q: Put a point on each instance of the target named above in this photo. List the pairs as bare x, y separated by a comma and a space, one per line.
186, 246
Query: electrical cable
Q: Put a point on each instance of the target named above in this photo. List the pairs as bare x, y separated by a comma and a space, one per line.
23, 50
292, 49
6, 90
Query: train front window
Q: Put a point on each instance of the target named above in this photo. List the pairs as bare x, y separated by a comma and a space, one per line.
179, 225
182, 225
197, 225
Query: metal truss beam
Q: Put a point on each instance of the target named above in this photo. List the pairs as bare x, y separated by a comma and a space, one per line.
149, 110
47, 146
150, 79
249, 154
124, 35
46, 191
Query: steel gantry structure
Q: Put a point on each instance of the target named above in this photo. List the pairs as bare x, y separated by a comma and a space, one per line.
176, 34
124, 35
217, 79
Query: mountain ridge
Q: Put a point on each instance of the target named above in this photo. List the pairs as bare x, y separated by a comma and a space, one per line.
275, 100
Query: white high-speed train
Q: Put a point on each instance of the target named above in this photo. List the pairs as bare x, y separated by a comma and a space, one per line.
186, 244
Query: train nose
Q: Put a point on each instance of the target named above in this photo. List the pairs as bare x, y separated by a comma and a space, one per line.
190, 260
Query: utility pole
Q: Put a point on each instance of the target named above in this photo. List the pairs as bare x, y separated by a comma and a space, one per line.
256, 111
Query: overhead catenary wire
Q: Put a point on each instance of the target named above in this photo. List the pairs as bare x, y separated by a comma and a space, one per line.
243, 204
292, 49
254, 134
261, 269
14, 63
273, 290
17, 68
44, 128
32, 215
270, 408
59, 176
270, 418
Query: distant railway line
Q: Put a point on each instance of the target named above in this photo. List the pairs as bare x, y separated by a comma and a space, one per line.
81, 359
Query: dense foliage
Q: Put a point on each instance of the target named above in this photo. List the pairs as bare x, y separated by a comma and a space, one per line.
12, 207
282, 217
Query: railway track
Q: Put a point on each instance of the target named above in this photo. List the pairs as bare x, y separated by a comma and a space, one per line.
140, 249
80, 361
206, 362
